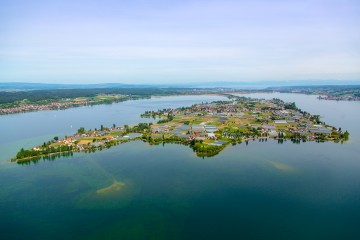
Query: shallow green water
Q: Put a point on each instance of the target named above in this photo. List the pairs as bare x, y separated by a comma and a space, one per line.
263, 190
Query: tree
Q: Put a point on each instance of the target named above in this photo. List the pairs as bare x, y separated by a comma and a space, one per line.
126, 127
56, 138
290, 106
81, 130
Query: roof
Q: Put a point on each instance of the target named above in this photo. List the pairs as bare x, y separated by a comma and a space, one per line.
321, 130
183, 135
268, 127
134, 135
183, 127
211, 128
196, 127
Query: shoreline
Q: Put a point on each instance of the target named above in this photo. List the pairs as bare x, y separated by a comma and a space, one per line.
178, 141
50, 106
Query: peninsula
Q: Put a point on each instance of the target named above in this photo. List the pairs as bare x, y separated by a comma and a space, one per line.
207, 128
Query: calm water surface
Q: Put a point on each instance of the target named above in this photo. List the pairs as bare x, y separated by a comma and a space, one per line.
263, 190
29, 129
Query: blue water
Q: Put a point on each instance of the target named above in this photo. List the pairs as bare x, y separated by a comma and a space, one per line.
263, 190
29, 129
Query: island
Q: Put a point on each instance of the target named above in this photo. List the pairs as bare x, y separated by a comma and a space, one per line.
207, 128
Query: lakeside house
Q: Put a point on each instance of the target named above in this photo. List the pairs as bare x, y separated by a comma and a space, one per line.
273, 133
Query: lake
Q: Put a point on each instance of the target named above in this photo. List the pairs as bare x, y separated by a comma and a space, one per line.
263, 190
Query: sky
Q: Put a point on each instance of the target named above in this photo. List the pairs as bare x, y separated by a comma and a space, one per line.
138, 41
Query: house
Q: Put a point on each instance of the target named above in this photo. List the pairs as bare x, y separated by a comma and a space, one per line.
268, 127
183, 127
197, 128
273, 133
160, 129
210, 128
184, 136
210, 135
280, 121
321, 129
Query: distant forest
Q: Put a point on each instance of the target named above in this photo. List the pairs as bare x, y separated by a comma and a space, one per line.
57, 94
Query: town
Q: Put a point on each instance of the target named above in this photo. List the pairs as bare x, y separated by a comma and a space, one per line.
45, 105
207, 128
325, 92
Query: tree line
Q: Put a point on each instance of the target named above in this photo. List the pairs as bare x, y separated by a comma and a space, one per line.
58, 94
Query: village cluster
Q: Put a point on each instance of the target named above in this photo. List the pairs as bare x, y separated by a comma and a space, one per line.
246, 119
41, 107
27, 106
340, 98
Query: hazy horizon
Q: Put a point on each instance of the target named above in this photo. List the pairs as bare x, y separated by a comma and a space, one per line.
161, 42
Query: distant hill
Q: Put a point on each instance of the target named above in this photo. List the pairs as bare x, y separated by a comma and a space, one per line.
23, 86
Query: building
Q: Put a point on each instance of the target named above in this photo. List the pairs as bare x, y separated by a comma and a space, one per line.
280, 121
210, 128
197, 128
